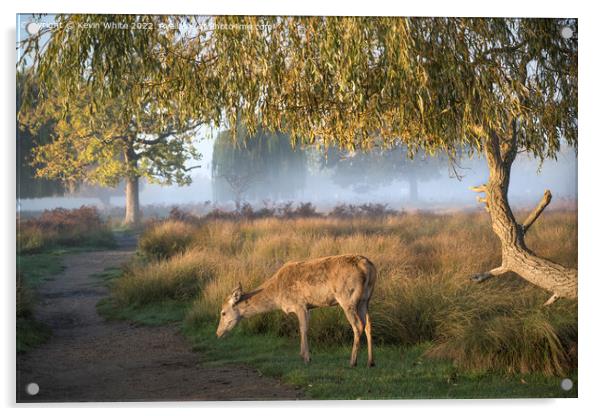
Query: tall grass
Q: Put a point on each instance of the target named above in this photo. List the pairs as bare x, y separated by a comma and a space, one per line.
423, 292
166, 239
179, 278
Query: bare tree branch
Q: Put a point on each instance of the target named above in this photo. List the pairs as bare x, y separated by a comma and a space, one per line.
545, 200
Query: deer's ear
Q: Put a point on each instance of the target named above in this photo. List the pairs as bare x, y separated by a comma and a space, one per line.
236, 294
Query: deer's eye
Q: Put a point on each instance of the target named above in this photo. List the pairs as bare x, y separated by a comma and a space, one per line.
223, 313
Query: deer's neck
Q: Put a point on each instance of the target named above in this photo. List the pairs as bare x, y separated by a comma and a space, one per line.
256, 302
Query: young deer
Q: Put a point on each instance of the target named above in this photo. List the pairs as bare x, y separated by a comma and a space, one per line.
346, 280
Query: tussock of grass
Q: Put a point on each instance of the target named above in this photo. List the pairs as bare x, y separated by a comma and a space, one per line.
178, 278
423, 293
166, 239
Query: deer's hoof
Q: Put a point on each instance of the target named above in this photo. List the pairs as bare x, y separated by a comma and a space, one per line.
352, 364
371, 364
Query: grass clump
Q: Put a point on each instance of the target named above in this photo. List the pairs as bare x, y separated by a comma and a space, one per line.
179, 278
166, 239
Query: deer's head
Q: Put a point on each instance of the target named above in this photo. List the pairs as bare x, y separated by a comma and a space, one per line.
230, 315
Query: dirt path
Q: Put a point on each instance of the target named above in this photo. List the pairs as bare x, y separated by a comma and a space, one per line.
90, 359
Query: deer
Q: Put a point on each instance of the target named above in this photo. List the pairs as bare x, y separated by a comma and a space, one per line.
297, 287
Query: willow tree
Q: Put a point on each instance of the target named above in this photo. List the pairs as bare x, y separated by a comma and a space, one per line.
264, 165
496, 87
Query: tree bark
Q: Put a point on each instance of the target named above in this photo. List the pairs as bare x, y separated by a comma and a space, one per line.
132, 195
516, 257
132, 201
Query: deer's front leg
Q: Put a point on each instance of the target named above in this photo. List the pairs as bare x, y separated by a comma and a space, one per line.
303, 315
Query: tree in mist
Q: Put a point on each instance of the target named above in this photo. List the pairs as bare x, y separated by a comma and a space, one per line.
494, 86
101, 137
365, 171
264, 165
100, 148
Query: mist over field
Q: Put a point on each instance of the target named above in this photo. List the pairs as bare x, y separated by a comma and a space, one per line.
438, 188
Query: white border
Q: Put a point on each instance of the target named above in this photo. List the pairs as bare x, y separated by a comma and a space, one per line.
589, 172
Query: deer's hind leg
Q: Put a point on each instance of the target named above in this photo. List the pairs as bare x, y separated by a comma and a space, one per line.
357, 324
365, 316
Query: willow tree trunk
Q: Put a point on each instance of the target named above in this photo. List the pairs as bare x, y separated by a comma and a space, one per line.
516, 257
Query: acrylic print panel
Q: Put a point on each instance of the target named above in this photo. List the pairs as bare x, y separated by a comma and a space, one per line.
277, 208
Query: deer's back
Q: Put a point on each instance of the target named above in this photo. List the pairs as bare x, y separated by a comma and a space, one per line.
320, 282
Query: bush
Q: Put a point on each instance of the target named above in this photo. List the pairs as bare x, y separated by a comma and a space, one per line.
365, 210
63, 227
176, 214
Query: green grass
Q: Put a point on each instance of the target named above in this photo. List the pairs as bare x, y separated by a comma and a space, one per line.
39, 267
151, 314
155, 314
30, 334
109, 275
400, 373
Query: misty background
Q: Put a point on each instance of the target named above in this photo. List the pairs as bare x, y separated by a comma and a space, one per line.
266, 169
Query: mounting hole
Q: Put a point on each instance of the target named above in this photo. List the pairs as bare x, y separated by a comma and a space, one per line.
32, 389
32, 28
566, 384
566, 32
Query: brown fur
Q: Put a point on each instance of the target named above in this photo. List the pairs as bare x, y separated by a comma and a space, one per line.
345, 280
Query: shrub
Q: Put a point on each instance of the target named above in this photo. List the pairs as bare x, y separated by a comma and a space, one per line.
67, 227
179, 215
366, 210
